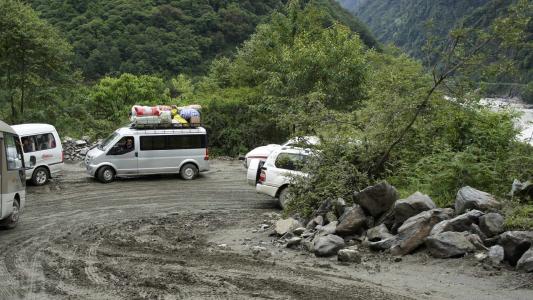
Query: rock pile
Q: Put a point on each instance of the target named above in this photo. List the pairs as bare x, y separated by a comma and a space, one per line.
77, 149
381, 221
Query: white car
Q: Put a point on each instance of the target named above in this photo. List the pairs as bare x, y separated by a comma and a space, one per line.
42, 147
273, 176
262, 153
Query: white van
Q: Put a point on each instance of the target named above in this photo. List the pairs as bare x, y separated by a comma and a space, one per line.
131, 152
41, 146
12, 178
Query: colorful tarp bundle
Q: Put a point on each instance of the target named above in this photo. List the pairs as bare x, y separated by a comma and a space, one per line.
165, 115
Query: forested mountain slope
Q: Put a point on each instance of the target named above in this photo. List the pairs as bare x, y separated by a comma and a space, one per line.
164, 37
408, 23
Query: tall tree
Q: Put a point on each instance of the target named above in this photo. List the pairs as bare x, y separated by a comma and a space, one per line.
34, 59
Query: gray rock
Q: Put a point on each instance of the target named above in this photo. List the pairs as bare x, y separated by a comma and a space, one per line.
318, 220
382, 245
293, 242
86, 138
470, 198
349, 255
377, 199
327, 245
328, 229
286, 225
449, 244
299, 231
515, 244
496, 254
460, 223
474, 228
491, 224
352, 221
339, 205
80, 143
525, 263
308, 244
412, 205
378, 233
414, 230
84, 151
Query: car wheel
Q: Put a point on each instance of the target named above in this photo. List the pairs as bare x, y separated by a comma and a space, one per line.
106, 174
284, 197
189, 172
40, 176
13, 219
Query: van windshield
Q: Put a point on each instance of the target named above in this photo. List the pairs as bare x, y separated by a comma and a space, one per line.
107, 141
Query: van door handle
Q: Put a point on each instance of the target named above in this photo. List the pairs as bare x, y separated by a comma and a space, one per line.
136, 154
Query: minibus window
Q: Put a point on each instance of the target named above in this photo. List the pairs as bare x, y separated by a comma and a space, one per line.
13, 152
107, 141
39, 142
125, 145
173, 142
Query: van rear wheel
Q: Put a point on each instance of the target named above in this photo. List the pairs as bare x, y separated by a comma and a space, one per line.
13, 219
283, 198
40, 176
189, 172
106, 174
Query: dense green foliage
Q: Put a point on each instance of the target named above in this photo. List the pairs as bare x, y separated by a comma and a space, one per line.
34, 63
164, 37
412, 24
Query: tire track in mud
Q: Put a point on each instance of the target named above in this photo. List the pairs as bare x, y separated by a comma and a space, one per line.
148, 238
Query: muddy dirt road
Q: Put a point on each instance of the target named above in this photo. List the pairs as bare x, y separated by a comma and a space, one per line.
161, 238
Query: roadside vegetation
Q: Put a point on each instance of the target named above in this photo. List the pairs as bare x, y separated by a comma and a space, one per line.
380, 114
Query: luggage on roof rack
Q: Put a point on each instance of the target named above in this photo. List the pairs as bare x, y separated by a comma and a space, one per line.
165, 116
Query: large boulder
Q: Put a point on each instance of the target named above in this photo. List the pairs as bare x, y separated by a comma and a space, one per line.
378, 233
377, 199
470, 198
459, 223
412, 205
515, 244
327, 245
352, 221
414, 230
450, 244
286, 225
318, 220
491, 224
525, 263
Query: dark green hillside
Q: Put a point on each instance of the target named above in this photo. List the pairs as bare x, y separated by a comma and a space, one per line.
163, 37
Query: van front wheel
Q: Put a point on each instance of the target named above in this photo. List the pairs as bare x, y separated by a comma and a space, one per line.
106, 174
189, 172
40, 176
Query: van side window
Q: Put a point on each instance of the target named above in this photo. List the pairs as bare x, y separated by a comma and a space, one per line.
124, 145
173, 142
13, 152
38, 142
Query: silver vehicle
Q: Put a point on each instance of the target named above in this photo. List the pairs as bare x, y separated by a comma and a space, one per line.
131, 152
12, 177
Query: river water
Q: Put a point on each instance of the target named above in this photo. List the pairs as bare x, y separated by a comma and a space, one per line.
525, 122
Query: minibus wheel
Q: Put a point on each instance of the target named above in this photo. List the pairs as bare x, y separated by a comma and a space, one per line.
106, 174
189, 171
40, 176
13, 219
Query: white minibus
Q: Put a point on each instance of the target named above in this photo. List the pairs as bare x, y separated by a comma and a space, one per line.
12, 178
131, 152
42, 146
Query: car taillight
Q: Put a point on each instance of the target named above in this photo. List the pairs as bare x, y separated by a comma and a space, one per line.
206, 156
262, 176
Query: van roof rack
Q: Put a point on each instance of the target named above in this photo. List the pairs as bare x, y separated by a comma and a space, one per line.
164, 126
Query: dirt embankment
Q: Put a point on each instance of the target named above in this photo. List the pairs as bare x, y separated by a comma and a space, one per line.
165, 238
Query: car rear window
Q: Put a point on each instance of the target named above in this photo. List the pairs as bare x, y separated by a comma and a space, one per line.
290, 161
173, 142
39, 142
